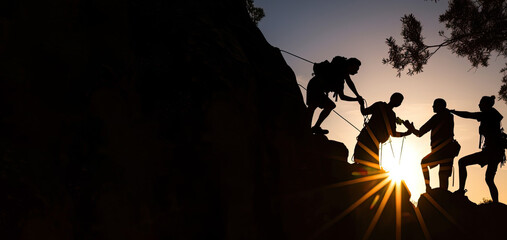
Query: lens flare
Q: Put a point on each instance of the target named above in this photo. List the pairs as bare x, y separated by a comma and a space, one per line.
404, 164
396, 174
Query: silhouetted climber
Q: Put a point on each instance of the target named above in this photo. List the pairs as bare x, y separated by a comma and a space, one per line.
382, 124
330, 77
492, 150
443, 146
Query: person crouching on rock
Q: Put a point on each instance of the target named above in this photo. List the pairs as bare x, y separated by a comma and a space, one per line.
330, 79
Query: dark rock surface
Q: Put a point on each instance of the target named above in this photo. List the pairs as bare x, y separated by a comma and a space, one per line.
168, 120
449, 215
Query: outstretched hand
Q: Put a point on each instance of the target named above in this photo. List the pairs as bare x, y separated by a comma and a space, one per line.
409, 126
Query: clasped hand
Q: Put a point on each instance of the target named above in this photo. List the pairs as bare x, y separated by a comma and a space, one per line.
409, 126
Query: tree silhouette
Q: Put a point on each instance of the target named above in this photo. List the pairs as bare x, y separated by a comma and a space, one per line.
256, 14
477, 28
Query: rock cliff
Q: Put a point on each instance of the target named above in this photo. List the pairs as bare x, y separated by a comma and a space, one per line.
169, 120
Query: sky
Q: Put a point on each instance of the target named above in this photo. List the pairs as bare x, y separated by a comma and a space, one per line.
318, 30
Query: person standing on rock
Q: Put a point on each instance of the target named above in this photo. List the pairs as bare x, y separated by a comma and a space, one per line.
493, 151
443, 146
382, 124
330, 77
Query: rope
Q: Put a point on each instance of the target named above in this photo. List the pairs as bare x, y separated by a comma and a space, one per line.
336, 113
365, 118
391, 144
401, 150
304, 59
347, 121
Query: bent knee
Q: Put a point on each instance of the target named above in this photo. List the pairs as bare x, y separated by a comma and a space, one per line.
461, 161
330, 106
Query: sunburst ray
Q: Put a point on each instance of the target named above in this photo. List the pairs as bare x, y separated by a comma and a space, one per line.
352, 207
358, 180
398, 210
442, 210
422, 223
375, 219
367, 163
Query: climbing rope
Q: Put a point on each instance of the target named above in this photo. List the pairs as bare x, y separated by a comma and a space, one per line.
337, 114
304, 59
392, 151
401, 150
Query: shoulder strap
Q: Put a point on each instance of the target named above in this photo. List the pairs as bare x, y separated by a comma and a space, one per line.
372, 136
386, 120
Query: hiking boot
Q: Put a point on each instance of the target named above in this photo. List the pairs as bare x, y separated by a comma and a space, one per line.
318, 130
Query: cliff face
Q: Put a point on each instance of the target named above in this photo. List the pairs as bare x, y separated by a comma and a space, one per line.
143, 119
166, 120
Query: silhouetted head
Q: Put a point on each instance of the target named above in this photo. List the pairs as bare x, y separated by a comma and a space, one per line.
353, 65
486, 103
439, 105
396, 99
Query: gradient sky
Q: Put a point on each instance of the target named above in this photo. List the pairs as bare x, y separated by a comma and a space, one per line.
321, 29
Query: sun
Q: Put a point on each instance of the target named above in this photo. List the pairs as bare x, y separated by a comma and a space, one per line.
402, 162
396, 174
401, 167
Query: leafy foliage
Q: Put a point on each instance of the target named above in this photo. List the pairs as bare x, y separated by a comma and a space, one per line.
413, 51
256, 14
477, 28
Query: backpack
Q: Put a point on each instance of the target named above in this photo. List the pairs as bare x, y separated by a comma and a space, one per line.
339, 61
322, 69
325, 68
